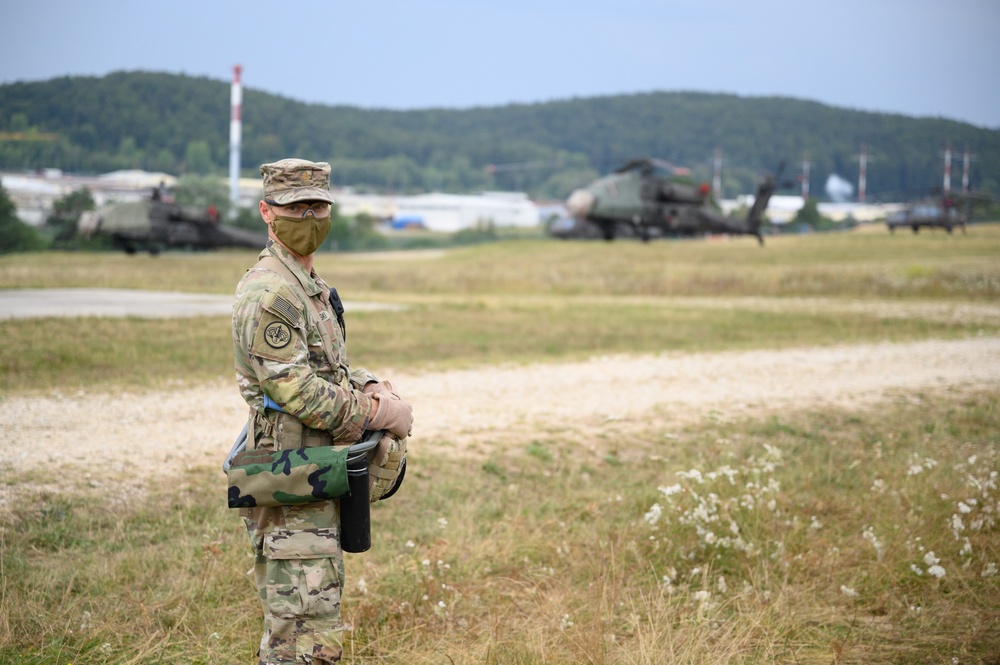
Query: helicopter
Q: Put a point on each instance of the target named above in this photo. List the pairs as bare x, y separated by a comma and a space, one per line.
939, 210
640, 199
155, 224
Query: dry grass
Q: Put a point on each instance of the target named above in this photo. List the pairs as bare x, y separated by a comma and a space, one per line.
552, 555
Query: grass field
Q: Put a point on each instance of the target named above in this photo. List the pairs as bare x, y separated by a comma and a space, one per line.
813, 537
521, 301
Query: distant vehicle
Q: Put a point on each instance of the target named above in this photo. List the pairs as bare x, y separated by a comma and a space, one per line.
942, 210
644, 199
155, 225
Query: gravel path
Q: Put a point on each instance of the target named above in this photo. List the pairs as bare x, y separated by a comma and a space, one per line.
83, 439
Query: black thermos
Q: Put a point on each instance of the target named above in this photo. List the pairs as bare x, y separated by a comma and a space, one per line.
355, 512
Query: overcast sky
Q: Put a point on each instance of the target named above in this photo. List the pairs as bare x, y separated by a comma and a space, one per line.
914, 57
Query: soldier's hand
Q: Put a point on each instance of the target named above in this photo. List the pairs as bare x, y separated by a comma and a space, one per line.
380, 387
393, 415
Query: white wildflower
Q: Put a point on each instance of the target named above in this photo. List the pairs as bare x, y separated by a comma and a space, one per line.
936, 571
848, 591
442, 522
917, 569
721, 585
869, 535
702, 596
815, 524
362, 586
410, 543
671, 490
106, 648
990, 570
964, 507
693, 474
566, 622
930, 559
653, 515
442, 604
957, 525
878, 486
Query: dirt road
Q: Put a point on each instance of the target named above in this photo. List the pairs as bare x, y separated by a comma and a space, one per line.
117, 439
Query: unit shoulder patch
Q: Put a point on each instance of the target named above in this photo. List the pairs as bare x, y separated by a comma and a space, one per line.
273, 339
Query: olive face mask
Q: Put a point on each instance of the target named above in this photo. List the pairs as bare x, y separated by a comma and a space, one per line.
303, 235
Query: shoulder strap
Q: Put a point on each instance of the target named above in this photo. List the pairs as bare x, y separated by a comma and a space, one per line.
272, 263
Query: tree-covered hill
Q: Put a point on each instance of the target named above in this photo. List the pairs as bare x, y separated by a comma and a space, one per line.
180, 124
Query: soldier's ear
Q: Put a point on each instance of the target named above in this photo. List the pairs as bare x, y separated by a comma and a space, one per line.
266, 213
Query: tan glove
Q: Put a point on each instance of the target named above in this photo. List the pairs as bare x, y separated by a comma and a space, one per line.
393, 415
379, 387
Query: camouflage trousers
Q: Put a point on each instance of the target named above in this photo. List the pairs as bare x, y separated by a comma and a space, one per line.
300, 595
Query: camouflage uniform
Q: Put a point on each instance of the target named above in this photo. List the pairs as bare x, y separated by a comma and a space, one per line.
299, 566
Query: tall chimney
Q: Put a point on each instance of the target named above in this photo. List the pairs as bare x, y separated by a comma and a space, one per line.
235, 132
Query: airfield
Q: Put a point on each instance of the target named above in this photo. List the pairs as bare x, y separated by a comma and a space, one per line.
622, 452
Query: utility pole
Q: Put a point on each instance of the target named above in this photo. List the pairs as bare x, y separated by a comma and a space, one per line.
717, 175
862, 172
805, 176
947, 168
966, 158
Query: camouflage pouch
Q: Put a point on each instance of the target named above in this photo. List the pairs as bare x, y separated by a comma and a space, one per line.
267, 478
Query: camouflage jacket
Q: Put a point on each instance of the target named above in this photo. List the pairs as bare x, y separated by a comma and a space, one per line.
278, 352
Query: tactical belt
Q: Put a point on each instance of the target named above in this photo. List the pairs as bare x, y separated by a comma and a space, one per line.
288, 431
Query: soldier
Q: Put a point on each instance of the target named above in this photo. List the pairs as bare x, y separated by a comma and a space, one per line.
292, 369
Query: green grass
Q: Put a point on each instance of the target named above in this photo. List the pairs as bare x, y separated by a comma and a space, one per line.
518, 301
84, 353
864, 265
552, 555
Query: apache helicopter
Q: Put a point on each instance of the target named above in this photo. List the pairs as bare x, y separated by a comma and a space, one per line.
156, 224
640, 198
942, 209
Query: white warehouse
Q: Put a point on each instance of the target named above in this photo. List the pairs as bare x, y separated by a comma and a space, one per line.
453, 212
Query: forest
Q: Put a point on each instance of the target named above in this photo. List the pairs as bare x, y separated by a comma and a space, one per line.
179, 124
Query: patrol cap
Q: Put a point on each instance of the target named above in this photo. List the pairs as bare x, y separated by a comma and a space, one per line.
291, 180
